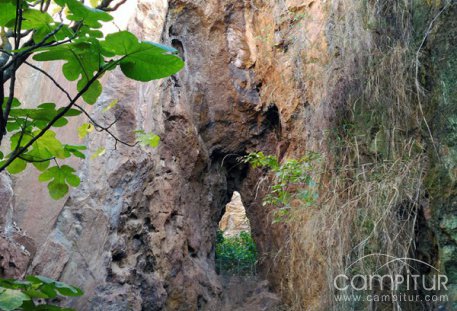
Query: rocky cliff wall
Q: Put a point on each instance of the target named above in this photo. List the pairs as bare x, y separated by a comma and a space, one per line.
283, 77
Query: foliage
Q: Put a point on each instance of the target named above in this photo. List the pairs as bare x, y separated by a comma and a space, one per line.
23, 294
292, 181
72, 35
235, 255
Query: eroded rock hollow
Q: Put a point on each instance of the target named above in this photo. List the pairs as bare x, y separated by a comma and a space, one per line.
271, 76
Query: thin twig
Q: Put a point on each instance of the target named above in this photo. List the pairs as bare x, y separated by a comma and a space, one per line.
99, 127
54, 120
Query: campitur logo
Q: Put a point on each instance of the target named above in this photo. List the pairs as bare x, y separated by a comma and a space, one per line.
361, 282
399, 286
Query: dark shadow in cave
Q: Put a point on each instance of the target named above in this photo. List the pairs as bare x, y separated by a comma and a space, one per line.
177, 44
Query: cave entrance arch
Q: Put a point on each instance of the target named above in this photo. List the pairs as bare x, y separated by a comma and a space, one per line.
234, 221
236, 252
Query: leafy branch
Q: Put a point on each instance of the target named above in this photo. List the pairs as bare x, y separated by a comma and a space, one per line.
87, 54
292, 181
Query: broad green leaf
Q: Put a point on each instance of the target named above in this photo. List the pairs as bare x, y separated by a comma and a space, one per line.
14, 103
37, 279
49, 289
84, 130
75, 150
71, 70
43, 149
43, 115
57, 190
83, 59
89, 16
99, 152
150, 62
147, 139
34, 19
59, 177
41, 166
142, 61
121, 43
7, 12
49, 146
17, 166
68, 290
93, 92
52, 286
35, 293
11, 299
41, 22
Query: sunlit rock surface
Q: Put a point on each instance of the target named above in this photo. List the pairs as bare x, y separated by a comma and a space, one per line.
139, 233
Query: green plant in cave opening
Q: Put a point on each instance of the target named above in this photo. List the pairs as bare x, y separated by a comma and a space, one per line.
68, 31
235, 255
34, 293
292, 181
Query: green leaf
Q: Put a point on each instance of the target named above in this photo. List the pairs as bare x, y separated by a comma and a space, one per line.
99, 152
17, 166
7, 12
48, 146
93, 92
142, 61
83, 59
40, 22
89, 16
84, 130
11, 299
41, 166
49, 290
43, 114
15, 103
60, 176
39, 279
150, 62
147, 139
75, 150
121, 43
68, 290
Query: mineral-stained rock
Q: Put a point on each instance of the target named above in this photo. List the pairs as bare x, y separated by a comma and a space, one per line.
14, 259
139, 233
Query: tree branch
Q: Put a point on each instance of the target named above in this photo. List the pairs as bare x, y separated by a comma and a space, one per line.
105, 128
114, 8
97, 125
26, 53
30, 160
54, 120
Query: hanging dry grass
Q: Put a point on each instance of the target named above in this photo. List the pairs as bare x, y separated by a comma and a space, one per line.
371, 187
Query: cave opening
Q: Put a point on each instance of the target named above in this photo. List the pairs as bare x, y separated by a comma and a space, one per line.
236, 252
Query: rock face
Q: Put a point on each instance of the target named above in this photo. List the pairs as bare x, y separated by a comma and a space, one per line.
234, 220
6, 197
139, 233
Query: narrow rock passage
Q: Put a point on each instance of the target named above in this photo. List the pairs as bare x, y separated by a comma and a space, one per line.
243, 293
243, 288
